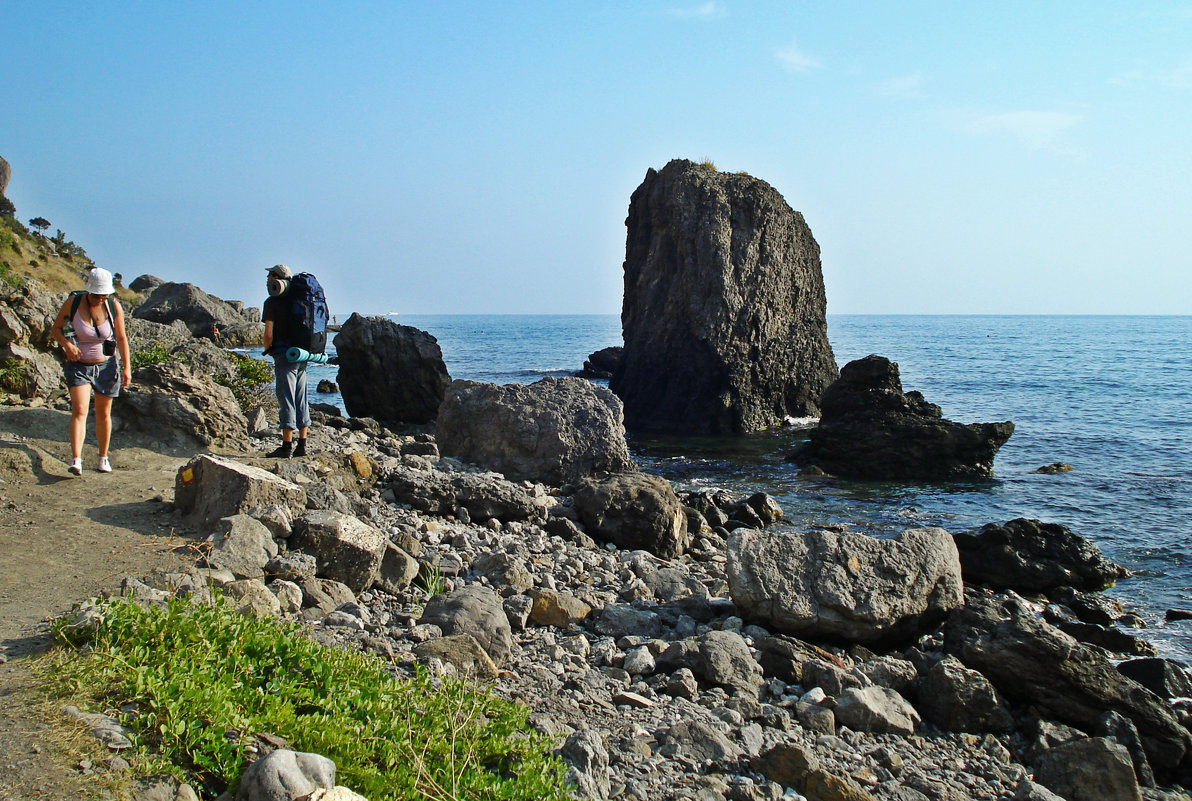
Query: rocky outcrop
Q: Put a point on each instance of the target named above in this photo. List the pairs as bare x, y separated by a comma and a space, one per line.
27, 313
844, 586
145, 334
1031, 556
178, 406
5, 174
556, 430
724, 309
1031, 662
870, 429
199, 310
390, 372
481, 496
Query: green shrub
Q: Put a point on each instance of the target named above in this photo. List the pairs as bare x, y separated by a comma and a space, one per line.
185, 675
14, 376
156, 353
253, 383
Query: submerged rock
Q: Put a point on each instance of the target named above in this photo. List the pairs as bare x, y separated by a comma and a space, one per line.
724, 310
871, 429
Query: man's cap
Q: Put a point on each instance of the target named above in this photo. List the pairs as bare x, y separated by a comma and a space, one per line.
281, 271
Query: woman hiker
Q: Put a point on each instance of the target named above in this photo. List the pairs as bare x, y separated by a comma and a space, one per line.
97, 320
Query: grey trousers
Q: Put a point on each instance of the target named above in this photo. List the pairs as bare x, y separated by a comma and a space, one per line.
291, 393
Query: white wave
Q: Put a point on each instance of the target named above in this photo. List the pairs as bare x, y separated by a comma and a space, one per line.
800, 422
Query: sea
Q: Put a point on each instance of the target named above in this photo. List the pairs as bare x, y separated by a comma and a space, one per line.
1110, 396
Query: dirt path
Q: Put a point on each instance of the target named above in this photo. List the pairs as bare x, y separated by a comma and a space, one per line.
63, 539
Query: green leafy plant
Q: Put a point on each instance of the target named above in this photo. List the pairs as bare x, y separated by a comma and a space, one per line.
196, 683
252, 384
156, 353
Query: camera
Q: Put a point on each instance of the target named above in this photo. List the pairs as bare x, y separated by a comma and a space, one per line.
109, 347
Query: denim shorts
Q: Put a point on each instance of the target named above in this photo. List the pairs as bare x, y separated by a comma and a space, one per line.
105, 376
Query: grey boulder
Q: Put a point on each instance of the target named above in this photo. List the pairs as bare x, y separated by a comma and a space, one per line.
634, 511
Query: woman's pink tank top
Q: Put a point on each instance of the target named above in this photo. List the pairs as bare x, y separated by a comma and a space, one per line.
90, 338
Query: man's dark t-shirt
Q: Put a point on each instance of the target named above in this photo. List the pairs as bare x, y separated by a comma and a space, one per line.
275, 310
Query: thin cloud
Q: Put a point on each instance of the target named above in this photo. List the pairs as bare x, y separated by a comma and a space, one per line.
794, 59
1034, 130
1178, 77
709, 10
904, 87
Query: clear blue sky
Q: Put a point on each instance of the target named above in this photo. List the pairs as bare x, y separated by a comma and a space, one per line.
443, 157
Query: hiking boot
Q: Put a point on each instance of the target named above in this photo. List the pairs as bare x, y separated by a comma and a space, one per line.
282, 452
104, 465
76, 466
300, 448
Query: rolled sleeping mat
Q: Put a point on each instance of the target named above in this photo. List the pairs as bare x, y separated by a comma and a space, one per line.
300, 355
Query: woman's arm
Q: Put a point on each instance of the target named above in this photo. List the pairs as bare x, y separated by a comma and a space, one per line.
56, 331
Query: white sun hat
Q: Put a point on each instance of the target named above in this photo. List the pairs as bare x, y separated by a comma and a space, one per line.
99, 282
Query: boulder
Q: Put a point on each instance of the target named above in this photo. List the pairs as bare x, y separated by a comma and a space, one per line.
27, 314
793, 765
557, 430
242, 545
398, 570
199, 310
1164, 677
209, 487
844, 585
30, 373
145, 334
875, 709
720, 658
1029, 556
178, 406
390, 372
956, 698
473, 610
284, 775
347, 550
870, 429
1031, 662
461, 650
484, 495
1091, 769
724, 308
634, 511
145, 283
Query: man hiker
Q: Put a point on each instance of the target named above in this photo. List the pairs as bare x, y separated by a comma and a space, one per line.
294, 413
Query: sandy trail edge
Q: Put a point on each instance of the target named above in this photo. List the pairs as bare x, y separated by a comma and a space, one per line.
64, 539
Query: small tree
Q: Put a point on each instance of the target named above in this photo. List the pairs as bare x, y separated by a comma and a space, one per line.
7, 209
40, 223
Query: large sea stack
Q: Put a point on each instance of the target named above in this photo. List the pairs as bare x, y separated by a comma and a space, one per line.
724, 309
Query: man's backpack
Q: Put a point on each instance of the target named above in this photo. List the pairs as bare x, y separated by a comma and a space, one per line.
307, 308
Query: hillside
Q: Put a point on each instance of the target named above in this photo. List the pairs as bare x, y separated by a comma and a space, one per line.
55, 261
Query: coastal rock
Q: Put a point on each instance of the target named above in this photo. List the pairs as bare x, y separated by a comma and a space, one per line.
209, 487
870, 429
1164, 677
473, 610
1031, 662
602, 363
1091, 769
844, 585
199, 310
146, 335
634, 511
347, 550
390, 372
792, 765
177, 405
956, 698
724, 309
27, 314
587, 757
556, 430
463, 651
720, 658
30, 373
1030, 556
5, 174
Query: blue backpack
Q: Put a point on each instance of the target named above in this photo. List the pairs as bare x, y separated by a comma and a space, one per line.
307, 307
